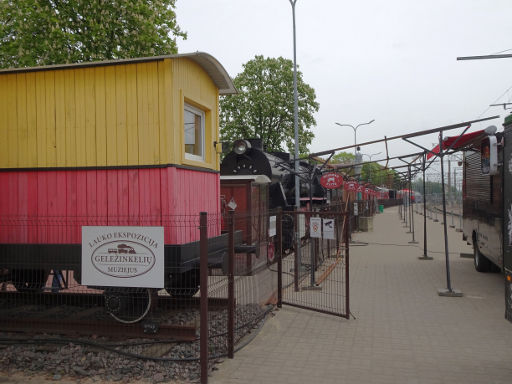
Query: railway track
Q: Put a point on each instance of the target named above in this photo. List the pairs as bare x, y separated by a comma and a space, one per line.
85, 314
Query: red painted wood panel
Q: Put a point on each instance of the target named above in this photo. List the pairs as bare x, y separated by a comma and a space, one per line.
22, 230
123, 197
133, 197
101, 198
42, 206
52, 206
71, 206
92, 197
32, 193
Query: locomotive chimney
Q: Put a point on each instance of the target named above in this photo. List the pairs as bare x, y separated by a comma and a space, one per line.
256, 143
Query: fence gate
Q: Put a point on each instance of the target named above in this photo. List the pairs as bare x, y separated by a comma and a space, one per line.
316, 277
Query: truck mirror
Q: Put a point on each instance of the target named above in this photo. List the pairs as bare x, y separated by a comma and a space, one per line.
489, 156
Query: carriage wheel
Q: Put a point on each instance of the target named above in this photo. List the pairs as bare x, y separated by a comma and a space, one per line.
128, 305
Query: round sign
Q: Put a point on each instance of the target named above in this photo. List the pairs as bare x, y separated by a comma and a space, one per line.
331, 180
271, 254
351, 186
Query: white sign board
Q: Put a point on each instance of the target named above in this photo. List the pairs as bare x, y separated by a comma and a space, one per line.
302, 224
356, 209
272, 226
123, 256
315, 227
328, 227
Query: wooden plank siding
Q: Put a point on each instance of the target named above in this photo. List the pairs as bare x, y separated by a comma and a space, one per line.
50, 207
126, 114
104, 145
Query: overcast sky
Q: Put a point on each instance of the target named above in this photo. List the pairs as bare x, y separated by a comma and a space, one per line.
393, 61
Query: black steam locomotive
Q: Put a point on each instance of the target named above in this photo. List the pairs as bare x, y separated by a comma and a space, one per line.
247, 171
248, 158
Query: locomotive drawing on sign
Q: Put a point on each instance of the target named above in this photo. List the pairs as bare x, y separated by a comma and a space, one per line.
113, 143
122, 248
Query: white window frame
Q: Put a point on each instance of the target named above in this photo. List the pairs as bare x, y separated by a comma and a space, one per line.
202, 114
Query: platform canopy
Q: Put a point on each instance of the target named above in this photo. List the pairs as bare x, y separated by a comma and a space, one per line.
458, 142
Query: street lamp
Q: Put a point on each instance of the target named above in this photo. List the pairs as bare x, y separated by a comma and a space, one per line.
373, 154
355, 131
295, 111
369, 165
296, 154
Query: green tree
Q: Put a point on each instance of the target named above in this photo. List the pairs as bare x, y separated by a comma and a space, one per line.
343, 158
373, 173
264, 106
42, 32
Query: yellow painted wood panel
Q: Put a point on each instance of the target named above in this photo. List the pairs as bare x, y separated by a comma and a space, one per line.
121, 128
31, 155
131, 115
166, 140
162, 140
80, 117
60, 119
100, 107
12, 122
41, 119
111, 115
4, 127
51, 143
70, 113
142, 114
153, 116
21, 109
90, 117
193, 85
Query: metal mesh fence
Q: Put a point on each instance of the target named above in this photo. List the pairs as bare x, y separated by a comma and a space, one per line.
218, 285
316, 277
42, 290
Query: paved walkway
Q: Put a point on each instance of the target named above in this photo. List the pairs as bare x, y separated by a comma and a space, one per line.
403, 332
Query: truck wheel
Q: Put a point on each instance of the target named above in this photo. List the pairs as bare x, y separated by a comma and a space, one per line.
482, 264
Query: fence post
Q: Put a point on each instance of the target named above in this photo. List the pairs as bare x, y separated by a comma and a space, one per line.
312, 257
203, 272
231, 284
279, 234
347, 283
296, 269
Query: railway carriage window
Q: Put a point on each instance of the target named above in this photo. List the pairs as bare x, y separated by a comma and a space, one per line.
194, 133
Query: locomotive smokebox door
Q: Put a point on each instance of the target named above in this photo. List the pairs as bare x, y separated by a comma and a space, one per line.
250, 194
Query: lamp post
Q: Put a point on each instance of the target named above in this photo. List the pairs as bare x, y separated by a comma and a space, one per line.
355, 130
373, 154
370, 165
295, 110
296, 153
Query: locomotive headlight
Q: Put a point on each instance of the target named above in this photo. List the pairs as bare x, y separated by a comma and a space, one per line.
241, 146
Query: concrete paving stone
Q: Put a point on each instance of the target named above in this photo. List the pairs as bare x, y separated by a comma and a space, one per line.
403, 332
